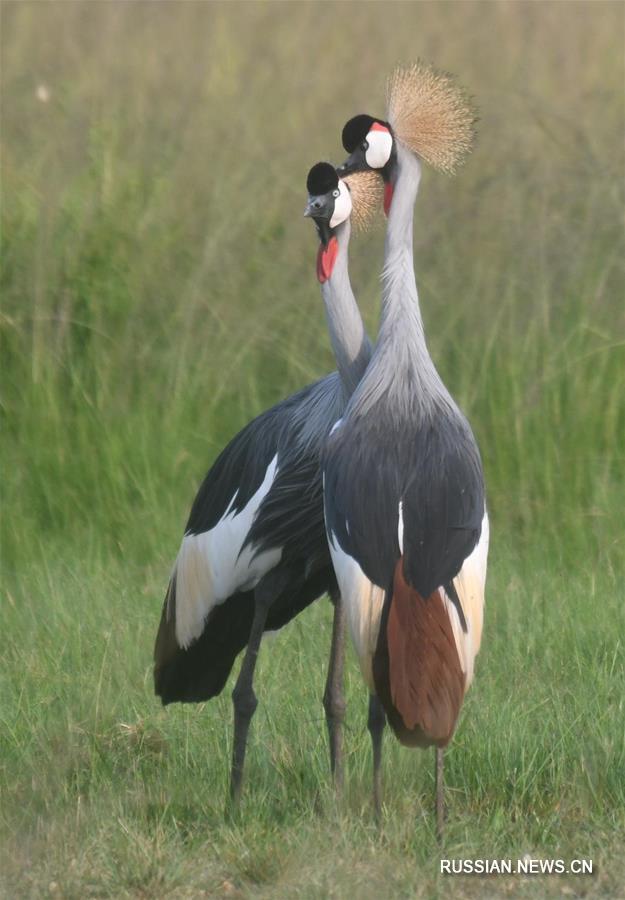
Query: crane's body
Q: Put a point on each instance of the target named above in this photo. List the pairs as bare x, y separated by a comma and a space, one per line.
403, 482
404, 509
258, 511
254, 552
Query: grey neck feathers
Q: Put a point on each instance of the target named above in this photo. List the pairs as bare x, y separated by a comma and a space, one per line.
401, 370
352, 347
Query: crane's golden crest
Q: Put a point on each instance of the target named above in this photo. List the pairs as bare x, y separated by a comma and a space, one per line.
366, 189
431, 115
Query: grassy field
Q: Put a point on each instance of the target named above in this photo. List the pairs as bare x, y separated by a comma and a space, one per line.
158, 290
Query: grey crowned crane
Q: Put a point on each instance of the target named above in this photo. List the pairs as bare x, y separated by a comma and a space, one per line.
254, 552
403, 482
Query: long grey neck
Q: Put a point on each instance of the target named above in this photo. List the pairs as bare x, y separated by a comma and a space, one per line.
351, 345
401, 370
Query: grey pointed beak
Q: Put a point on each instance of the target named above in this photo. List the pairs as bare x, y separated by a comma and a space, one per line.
316, 206
355, 162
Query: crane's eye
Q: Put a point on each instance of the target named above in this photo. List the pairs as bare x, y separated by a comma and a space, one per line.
335, 192
364, 146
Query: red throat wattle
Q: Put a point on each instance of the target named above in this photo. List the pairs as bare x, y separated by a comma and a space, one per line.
388, 197
326, 259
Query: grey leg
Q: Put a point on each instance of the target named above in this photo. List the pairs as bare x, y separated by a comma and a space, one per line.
440, 800
375, 724
243, 696
333, 697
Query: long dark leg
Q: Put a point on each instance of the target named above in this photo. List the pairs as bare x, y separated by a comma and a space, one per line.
243, 696
440, 800
333, 697
375, 724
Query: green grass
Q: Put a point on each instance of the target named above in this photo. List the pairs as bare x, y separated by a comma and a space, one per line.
157, 291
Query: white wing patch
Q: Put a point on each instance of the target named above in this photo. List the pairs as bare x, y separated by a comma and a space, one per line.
400, 527
363, 603
470, 584
336, 425
211, 566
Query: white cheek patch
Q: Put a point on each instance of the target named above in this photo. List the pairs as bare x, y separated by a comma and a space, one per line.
379, 150
342, 206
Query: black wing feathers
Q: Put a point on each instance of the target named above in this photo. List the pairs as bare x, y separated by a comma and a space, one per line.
201, 671
241, 466
362, 490
443, 506
291, 515
436, 473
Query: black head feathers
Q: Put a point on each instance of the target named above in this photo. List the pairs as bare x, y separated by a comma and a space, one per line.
357, 129
322, 179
